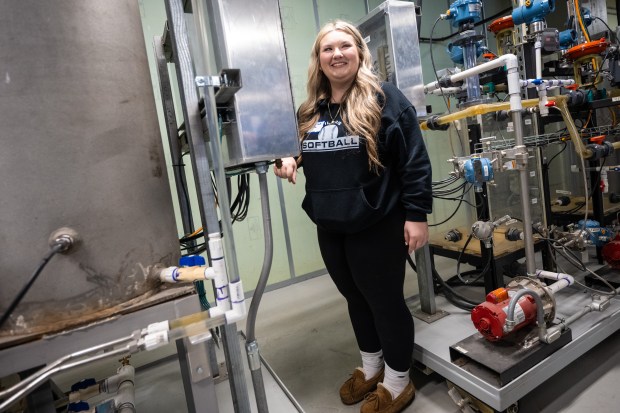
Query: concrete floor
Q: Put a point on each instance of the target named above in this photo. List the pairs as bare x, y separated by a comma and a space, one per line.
305, 335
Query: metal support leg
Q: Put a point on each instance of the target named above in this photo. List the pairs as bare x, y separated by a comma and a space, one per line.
232, 352
197, 378
428, 310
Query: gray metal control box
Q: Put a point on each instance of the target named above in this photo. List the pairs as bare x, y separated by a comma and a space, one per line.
391, 32
259, 122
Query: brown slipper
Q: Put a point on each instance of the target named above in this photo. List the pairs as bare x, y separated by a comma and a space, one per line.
356, 387
380, 401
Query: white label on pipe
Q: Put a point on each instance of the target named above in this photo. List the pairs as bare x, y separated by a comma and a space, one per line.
532, 174
510, 165
510, 127
528, 121
534, 201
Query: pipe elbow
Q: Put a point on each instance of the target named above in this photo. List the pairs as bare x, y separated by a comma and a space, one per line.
238, 307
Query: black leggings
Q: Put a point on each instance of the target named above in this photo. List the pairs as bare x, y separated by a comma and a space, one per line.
368, 269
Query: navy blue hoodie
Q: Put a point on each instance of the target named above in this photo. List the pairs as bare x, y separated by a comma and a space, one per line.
342, 194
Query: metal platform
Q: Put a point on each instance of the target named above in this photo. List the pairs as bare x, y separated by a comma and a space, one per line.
433, 341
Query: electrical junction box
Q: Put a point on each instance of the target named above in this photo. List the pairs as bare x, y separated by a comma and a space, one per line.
259, 122
391, 33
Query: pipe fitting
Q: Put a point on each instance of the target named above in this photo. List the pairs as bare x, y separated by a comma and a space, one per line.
237, 299
432, 123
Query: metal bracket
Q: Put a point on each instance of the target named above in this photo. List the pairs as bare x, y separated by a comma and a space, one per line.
202, 81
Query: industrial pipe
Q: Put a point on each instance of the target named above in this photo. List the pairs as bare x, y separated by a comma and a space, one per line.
540, 313
40, 378
125, 390
542, 92
475, 110
65, 359
563, 280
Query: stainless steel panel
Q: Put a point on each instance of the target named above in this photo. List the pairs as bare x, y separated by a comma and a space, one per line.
391, 33
80, 148
248, 36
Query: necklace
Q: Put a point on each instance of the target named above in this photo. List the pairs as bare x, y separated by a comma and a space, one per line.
333, 118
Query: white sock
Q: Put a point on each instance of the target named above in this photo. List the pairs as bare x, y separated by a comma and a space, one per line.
372, 363
395, 381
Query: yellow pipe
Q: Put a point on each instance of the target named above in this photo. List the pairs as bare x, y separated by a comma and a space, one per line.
479, 110
561, 102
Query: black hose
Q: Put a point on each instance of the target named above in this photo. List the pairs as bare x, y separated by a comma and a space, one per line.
427, 39
53, 251
451, 295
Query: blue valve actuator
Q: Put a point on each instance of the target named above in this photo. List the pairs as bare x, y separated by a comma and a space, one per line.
477, 171
568, 38
598, 235
465, 11
536, 11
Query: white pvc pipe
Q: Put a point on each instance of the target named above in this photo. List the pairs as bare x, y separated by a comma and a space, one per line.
125, 395
221, 279
547, 84
542, 91
512, 66
447, 90
563, 280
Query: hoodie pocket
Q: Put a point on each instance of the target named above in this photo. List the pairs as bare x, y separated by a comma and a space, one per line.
343, 210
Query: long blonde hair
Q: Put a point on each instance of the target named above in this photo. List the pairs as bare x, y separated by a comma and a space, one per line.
361, 111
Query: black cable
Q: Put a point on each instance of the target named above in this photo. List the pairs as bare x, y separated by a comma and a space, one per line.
189, 247
454, 280
451, 295
611, 32
465, 190
196, 251
240, 206
554, 156
181, 172
189, 238
458, 260
481, 22
53, 251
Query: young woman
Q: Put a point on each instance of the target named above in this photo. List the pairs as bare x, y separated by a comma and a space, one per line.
368, 190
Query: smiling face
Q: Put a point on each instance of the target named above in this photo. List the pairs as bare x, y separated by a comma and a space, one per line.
339, 58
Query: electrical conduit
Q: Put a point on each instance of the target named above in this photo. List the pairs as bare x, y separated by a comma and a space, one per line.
251, 343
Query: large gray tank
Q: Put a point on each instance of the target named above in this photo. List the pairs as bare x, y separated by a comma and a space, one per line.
80, 148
